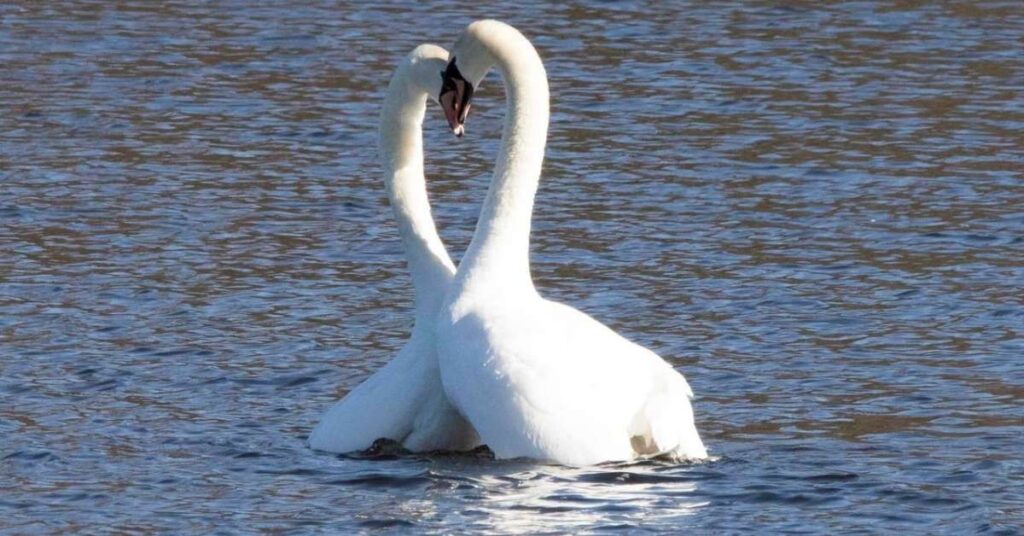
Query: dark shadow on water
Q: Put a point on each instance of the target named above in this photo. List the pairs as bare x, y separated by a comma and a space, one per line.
384, 449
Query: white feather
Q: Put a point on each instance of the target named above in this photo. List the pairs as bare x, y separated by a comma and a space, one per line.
537, 378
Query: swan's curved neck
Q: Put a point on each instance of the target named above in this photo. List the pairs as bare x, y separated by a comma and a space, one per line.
499, 254
401, 148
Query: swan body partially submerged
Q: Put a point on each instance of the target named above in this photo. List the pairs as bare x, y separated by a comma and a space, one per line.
404, 401
537, 378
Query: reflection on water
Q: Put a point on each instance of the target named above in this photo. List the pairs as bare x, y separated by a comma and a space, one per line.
597, 500
814, 211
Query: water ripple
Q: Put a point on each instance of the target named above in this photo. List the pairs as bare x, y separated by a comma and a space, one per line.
814, 212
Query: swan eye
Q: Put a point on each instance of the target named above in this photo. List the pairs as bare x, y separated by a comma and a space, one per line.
451, 71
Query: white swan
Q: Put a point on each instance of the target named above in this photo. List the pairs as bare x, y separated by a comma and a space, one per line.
404, 401
537, 378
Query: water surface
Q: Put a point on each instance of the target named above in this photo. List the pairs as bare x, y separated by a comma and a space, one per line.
815, 212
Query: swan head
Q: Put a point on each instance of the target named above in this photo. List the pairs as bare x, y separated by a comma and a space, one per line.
421, 69
455, 95
471, 60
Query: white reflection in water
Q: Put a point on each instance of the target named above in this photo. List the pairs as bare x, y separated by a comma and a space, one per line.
558, 498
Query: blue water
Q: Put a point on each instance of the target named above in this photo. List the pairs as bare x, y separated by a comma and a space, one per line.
815, 212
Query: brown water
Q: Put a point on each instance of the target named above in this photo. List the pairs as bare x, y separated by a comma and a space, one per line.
815, 212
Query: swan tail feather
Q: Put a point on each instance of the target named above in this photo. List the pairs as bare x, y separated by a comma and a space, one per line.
665, 425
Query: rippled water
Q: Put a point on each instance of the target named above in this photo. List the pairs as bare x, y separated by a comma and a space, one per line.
816, 212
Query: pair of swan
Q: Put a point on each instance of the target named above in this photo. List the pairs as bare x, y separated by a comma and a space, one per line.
490, 361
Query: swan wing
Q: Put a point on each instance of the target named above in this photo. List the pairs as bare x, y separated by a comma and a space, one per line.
554, 383
403, 401
631, 386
